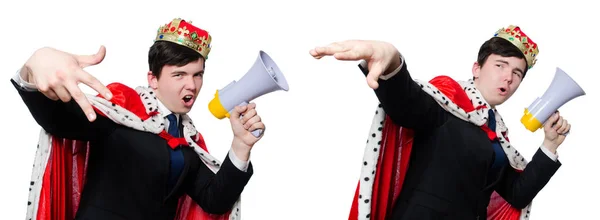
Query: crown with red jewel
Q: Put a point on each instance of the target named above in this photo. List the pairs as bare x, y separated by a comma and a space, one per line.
515, 35
184, 33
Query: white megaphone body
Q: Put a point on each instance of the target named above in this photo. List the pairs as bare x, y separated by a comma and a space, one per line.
262, 78
562, 90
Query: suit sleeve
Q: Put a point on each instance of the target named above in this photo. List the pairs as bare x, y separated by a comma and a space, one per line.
65, 120
519, 188
404, 100
216, 193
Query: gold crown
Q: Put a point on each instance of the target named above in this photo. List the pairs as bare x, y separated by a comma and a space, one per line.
184, 33
515, 35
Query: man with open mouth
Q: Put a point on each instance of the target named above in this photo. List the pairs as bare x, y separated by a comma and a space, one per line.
132, 153
439, 149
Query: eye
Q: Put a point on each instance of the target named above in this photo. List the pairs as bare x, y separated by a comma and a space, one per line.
498, 65
518, 74
198, 74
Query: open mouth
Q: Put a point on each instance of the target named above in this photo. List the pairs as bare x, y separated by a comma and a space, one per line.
187, 100
502, 91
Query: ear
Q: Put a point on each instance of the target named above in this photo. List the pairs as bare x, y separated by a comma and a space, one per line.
152, 80
476, 69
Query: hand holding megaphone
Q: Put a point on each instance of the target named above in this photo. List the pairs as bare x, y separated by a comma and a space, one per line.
245, 119
263, 77
562, 90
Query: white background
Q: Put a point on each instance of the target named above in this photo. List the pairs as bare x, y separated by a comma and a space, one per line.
308, 163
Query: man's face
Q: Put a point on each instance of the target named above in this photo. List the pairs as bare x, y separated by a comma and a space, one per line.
178, 87
499, 78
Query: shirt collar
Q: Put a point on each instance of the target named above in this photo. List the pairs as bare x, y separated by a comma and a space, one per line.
164, 111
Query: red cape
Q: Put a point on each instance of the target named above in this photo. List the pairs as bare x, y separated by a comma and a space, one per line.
64, 176
394, 157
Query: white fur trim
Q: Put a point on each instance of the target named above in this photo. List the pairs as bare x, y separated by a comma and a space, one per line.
42, 155
477, 117
120, 115
370, 158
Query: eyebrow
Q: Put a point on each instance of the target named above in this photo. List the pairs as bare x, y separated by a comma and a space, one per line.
201, 72
506, 62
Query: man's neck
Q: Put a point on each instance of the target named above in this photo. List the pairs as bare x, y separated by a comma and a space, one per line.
482, 95
164, 111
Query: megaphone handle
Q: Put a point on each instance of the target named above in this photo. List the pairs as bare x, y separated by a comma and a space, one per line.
256, 132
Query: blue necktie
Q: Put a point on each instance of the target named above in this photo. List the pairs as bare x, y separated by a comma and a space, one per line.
500, 158
176, 154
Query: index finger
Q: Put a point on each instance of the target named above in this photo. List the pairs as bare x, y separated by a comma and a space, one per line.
237, 111
330, 49
94, 83
82, 101
552, 120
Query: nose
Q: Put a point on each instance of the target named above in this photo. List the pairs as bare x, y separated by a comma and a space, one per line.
508, 76
190, 84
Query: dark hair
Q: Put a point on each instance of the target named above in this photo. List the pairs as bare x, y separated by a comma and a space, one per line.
501, 47
167, 53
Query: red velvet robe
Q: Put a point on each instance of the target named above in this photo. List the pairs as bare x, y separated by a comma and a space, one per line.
64, 174
394, 157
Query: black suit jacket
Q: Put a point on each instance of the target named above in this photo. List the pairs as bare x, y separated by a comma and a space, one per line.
128, 169
447, 177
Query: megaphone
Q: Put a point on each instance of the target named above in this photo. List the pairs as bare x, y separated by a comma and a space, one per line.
263, 77
562, 90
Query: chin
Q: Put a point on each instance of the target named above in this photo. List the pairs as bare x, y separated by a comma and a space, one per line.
185, 110
182, 110
498, 102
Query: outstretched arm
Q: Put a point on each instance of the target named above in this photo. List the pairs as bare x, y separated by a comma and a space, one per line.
386, 72
404, 100
63, 119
